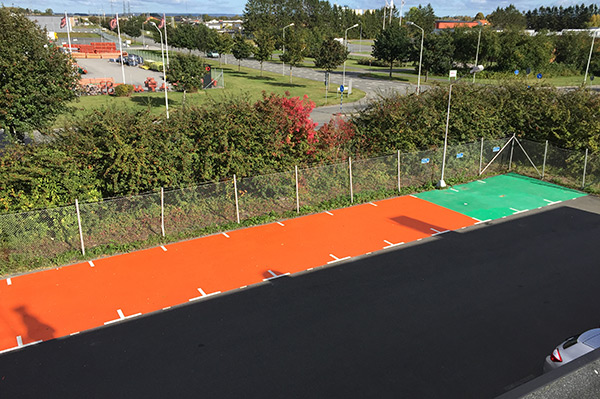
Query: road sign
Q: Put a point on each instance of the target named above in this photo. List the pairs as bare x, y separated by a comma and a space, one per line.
496, 149
460, 155
342, 88
539, 75
453, 73
516, 71
425, 160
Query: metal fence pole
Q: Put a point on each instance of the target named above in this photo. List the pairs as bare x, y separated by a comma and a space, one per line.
480, 154
237, 207
512, 147
584, 168
399, 182
350, 170
297, 192
79, 224
162, 211
544, 164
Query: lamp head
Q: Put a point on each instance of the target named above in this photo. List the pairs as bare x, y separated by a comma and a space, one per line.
477, 69
409, 23
354, 26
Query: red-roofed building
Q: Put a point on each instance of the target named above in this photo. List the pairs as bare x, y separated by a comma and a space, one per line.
448, 24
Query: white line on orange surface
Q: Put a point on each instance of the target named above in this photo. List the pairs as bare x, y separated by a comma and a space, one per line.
373, 204
225, 234
8, 281
163, 248
329, 213
281, 224
91, 263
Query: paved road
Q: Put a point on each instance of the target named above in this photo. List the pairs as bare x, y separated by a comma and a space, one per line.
463, 315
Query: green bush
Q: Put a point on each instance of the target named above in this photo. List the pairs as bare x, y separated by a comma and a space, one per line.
123, 90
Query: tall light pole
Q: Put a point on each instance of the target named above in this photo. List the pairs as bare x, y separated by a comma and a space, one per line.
283, 63
589, 58
420, 54
164, 67
477, 53
346, 44
442, 183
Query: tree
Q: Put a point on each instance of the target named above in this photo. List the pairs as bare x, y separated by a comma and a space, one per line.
438, 52
391, 44
223, 45
331, 55
422, 16
479, 16
265, 46
132, 26
241, 49
508, 17
294, 46
186, 71
37, 80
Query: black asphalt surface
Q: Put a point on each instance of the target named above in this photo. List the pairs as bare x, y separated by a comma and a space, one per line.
467, 314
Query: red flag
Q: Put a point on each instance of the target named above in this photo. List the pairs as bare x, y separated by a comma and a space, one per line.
162, 23
113, 23
63, 22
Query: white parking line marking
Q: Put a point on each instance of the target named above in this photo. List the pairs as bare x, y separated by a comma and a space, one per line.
75, 333
373, 204
412, 196
163, 248
336, 259
167, 308
552, 202
390, 245
225, 234
19, 340
275, 275
91, 263
203, 294
439, 232
281, 224
455, 190
329, 213
8, 281
514, 210
481, 181
121, 317
482, 221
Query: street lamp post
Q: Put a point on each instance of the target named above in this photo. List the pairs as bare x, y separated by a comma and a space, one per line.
420, 54
346, 44
164, 67
477, 53
283, 63
589, 58
442, 183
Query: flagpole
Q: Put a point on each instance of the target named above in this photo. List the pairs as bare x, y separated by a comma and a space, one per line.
401, 7
68, 33
166, 42
120, 47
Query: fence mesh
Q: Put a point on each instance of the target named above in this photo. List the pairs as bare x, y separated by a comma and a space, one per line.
323, 183
260, 195
521, 163
420, 168
192, 209
462, 160
33, 237
375, 174
491, 148
120, 221
592, 173
564, 167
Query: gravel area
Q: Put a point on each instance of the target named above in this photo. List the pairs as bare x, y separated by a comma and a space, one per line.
102, 68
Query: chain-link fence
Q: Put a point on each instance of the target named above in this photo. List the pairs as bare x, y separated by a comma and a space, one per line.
62, 235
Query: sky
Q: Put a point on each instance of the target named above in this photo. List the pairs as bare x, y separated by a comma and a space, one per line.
441, 7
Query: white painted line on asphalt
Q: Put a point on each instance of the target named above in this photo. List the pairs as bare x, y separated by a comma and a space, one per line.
19, 346
91, 263
243, 287
281, 224
203, 294
390, 244
373, 204
121, 317
336, 259
163, 248
8, 281
225, 234
167, 308
455, 190
329, 213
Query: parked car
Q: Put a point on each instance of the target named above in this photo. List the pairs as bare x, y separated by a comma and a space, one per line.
212, 54
572, 348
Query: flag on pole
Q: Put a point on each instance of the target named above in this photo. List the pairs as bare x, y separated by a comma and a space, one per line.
63, 22
113, 23
162, 23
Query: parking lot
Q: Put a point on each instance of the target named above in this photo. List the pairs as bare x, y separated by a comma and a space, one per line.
103, 68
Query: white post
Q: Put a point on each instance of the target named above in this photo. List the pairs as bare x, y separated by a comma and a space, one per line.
237, 207
512, 148
398, 171
167, 43
589, 59
164, 68
162, 211
477, 54
68, 32
297, 192
350, 170
544, 164
283, 63
481, 156
584, 168
442, 183
79, 224
346, 46
120, 47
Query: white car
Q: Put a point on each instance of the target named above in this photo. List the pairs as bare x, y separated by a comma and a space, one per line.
572, 348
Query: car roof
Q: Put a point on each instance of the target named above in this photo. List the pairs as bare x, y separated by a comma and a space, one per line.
591, 338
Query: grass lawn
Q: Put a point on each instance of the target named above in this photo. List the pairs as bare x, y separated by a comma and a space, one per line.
244, 84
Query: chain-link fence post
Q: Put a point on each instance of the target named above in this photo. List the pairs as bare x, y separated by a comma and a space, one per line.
350, 171
544, 164
584, 169
162, 211
481, 156
512, 148
297, 191
237, 207
79, 225
399, 182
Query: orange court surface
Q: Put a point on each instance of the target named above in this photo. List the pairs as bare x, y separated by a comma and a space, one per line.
67, 300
